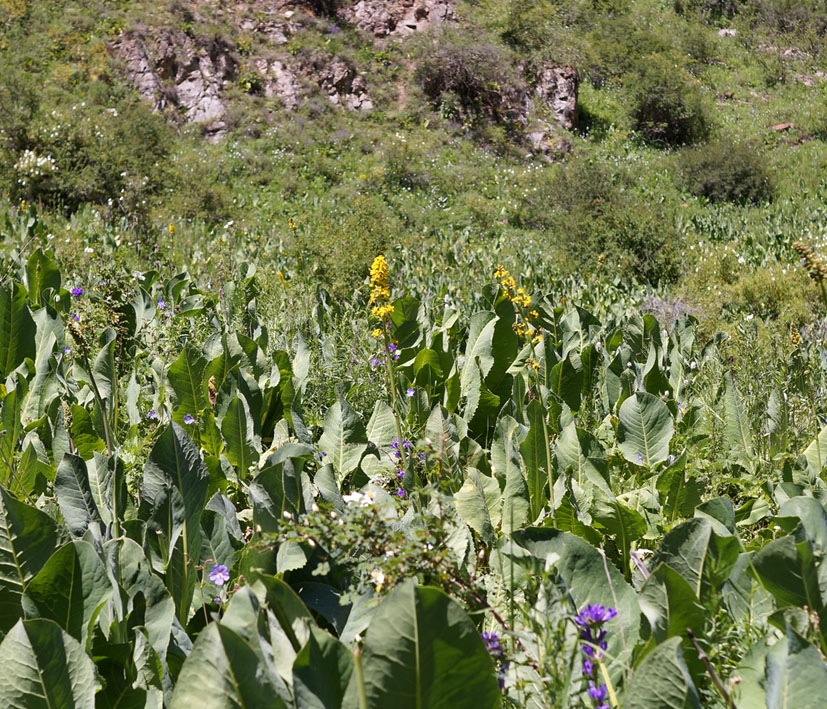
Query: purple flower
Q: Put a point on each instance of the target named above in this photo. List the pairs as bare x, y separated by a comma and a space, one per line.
594, 615
407, 444
400, 473
409, 392
189, 419
77, 292
74, 317
400, 492
161, 303
598, 693
219, 574
67, 350
217, 601
324, 453
392, 347
152, 415
376, 362
422, 456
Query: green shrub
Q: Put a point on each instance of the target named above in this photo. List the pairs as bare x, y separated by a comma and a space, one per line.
711, 8
65, 149
666, 106
790, 16
466, 78
723, 172
591, 211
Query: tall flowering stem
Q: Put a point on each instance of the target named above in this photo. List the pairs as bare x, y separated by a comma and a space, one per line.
532, 336
591, 620
381, 310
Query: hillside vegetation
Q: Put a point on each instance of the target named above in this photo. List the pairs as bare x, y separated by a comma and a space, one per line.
413, 352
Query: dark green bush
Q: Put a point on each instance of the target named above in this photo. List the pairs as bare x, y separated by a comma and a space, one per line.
711, 8
466, 77
666, 106
726, 172
800, 17
589, 208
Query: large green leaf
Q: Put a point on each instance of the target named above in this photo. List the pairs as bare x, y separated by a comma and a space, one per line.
17, 329
506, 463
788, 570
736, 429
795, 674
237, 429
422, 650
223, 672
74, 494
186, 377
670, 605
582, 452
45, 667
27, 539
567, 382
816, 452
69, 589
645, 429
534, 449
174, 493
699, 554
662, 681
321, 672
344, 439
624, 523
478, 503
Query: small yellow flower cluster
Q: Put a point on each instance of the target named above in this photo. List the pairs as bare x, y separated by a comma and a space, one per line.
522, 300
380, 291
171, 229
795, 338
377, 333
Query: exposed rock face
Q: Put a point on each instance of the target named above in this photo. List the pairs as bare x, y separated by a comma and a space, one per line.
339, 81
557, 87
176, 71
382, 18
279, 80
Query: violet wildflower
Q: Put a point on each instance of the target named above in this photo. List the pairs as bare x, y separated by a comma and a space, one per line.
409, 392
67, 350
400, 492
497, 652
590, 620
77, 292
74, 317
219, 574
400, 473
324, 453
161, 303
152, 415
189, 419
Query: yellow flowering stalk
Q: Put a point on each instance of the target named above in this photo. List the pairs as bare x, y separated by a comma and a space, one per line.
532, 336
381, 308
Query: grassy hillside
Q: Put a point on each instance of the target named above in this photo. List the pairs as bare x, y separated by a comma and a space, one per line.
588, 369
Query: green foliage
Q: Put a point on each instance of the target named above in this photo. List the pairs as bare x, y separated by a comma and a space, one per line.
466, 78
666, 107
723, 172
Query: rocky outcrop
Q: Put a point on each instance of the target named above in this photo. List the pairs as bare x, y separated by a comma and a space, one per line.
383, 18
557, 88
338, 80
175, 71
279, 80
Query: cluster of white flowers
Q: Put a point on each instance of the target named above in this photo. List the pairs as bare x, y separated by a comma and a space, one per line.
30, 166
363, 499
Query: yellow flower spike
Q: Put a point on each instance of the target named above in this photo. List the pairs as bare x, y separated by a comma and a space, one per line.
171, 229
500, 273
377, 333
